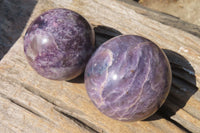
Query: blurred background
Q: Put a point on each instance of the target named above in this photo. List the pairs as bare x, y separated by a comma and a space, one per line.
14, 15
187, 10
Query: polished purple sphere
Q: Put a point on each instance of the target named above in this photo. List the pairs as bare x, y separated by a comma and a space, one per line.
128, 78
58, 44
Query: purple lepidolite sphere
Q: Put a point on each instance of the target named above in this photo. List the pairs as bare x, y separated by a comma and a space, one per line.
58, 44
128, 78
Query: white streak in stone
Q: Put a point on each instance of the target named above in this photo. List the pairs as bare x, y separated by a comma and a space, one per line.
110, 54
142, 88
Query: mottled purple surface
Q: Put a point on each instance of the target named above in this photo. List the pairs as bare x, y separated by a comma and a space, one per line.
58, 44
128, 78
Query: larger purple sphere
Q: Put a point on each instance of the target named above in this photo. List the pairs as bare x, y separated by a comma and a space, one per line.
58, 44
128, 78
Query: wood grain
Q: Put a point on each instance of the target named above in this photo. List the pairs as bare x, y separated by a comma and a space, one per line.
31, 103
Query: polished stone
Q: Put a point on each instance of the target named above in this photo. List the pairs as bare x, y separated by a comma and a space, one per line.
128, 78
58, 44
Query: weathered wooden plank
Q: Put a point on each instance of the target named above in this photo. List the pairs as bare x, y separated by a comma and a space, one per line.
70, 97
17, 93
65, 106
164, 18
20, 120
5, 129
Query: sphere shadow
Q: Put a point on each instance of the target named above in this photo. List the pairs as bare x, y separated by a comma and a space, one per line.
79, 79
182, 88
102, 34
14, 15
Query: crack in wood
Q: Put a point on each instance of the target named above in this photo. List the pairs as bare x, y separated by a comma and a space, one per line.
24, 107
3, 96
28, 109
35, 92
178, 125
166, 112
78, 121
32, 110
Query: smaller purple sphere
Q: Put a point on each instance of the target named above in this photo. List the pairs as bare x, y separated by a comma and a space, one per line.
128, 78
58, 44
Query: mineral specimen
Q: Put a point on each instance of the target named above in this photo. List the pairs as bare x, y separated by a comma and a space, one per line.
128, 78
58, 44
